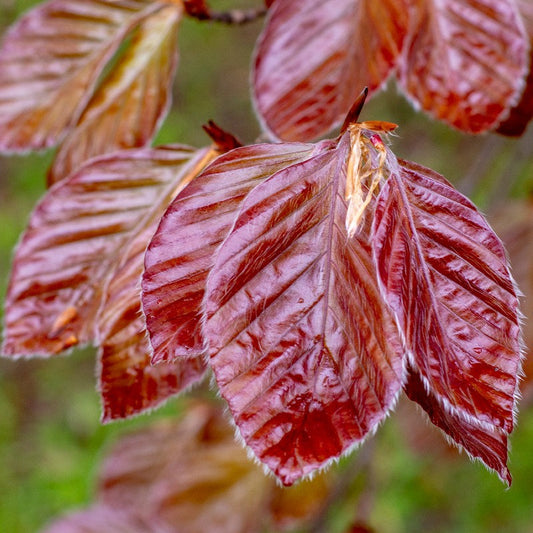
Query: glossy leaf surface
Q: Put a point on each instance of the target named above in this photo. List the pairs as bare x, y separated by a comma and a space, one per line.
315, 56
128, 383
301, 344
50, 61
127, 108
76, 239
465, 61
444, 273
182, 250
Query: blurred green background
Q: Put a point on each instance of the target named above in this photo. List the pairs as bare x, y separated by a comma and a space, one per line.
51, 440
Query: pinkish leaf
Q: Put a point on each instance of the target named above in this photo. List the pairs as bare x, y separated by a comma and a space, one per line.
315, 56
182, 250
128, 383
465, 61
50, 61
76, 239
444, 273
302, 346
128, 107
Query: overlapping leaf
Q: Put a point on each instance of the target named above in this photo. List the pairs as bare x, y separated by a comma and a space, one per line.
127, 108
521, 114
186, 477
315, 56
128, 383
302, 346
465, 61
444, 273
462, 61
50, 61
76, 239
182, 251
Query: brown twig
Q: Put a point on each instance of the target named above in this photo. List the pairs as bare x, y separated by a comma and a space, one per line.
200, 10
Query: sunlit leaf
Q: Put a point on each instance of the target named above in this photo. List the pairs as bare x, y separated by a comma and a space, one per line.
303, 348
465, 61
520, 115
50, 61
127, 108
182, 251
128, 383
76, 238
315, 56
444, 273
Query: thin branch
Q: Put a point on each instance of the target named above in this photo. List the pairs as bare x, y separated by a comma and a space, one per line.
200, 10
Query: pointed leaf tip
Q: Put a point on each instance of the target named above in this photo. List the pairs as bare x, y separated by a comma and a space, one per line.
353, 115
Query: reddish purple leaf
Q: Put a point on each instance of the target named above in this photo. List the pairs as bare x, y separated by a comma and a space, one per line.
126, 110
50, 61
128, 383
182, 251
444, 273
302, 346
465, 61
520, 115
76, 239
315, 56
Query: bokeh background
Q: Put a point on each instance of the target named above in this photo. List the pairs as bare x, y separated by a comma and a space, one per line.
51, 439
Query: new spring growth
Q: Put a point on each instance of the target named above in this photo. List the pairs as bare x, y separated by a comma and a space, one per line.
366, 167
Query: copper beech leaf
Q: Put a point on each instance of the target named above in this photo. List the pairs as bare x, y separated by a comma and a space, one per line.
465, 61
520, 115
76, 239
315, 56
50, 61
303, 348
127, 108
444, 273
128, 383
462, 61
182, 250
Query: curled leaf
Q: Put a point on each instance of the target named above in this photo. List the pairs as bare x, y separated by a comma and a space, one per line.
129, 105
303, 348
50, 61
